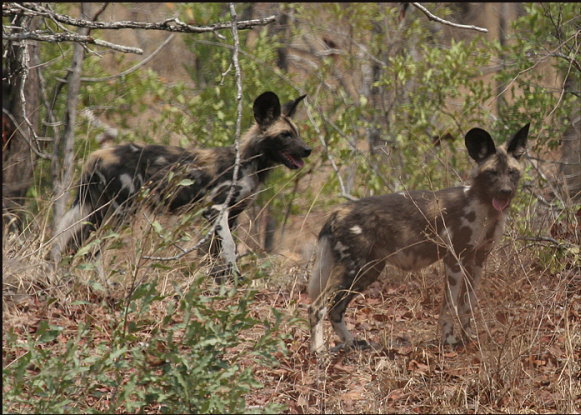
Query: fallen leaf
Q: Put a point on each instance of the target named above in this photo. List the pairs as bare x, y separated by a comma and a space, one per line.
418, 367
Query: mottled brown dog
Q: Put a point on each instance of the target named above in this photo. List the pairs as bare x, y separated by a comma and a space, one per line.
119, 179
413, 230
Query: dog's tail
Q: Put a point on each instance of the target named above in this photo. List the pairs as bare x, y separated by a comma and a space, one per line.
72, 230
81, 219
322, 269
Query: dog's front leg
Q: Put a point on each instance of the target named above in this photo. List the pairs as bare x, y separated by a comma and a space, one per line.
468, 301
462, 279
454, 287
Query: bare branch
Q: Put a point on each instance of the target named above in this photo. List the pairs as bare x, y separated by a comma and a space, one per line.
169, 25
133, 68
446, 22
109, 133
541, 239
344, 192
25, 68
69, 37
569, 59
26, 137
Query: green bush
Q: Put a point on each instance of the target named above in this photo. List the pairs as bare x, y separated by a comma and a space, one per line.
190, 361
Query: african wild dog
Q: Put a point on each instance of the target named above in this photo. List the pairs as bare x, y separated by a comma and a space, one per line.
115, 179
413, 229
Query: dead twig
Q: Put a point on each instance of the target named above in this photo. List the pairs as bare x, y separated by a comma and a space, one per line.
69, 37
170, 25
133, 68
446, 22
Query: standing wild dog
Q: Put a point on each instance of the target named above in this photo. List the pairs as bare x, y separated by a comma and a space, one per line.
115, 179
412, 230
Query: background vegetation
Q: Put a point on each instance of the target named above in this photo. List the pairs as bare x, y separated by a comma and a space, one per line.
390, 97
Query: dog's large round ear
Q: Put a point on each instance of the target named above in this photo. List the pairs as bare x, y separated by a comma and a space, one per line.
517, 144
479, 144
266, 108
290, 107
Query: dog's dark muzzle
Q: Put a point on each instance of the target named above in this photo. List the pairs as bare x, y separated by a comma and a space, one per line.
294, 160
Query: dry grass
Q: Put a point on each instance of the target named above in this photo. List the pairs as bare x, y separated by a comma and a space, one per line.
527, 357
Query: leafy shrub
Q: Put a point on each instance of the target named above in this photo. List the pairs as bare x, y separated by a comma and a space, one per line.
190, 361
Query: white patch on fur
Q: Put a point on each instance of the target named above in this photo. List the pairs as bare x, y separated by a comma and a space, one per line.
341, 249
449, 308
134, 148
219, 188
101, 177
161, 160
466, 189
356, 230
248, 184
322, 269
127, 182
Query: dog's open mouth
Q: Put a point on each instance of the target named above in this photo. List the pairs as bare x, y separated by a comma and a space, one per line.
500, 204
292, 162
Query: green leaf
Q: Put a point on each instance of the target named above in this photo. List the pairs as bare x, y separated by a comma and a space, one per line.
186, 182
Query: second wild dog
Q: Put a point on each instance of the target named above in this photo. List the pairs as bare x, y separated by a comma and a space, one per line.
413, 229
178, 179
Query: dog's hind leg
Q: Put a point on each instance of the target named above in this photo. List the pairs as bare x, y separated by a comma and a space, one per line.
332, 298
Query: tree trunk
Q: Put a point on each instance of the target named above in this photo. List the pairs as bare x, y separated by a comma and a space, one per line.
571, 147
63, 173
20, 72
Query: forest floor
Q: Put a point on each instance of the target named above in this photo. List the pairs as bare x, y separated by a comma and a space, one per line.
526, 359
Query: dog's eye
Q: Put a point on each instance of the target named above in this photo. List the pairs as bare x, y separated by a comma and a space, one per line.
286, 135
514, 173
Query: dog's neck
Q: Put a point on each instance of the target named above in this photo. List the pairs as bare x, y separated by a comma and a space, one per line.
253, 157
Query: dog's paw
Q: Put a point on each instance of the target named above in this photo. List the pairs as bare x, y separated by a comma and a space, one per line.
225, 272
355, 345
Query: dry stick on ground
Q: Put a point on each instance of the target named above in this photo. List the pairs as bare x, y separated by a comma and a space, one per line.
236, 146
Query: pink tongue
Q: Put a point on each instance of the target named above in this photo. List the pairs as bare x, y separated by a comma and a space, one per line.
499, 205
299, 163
